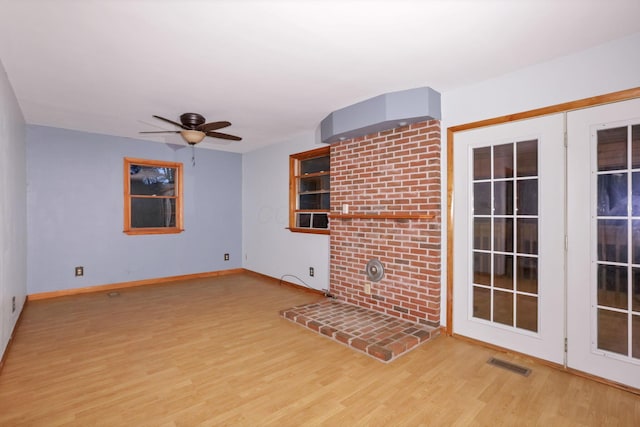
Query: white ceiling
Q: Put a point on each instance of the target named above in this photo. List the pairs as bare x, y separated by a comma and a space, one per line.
273, 68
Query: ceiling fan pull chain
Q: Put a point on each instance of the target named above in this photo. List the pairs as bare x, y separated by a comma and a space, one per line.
193, 155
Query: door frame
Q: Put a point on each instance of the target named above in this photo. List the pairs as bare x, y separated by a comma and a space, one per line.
623, 95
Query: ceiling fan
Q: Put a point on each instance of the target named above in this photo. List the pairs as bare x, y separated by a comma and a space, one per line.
193, 128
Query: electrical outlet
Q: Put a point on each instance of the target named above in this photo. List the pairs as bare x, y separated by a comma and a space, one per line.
13, 304
79, 271
311, 271
367, 288
226, 257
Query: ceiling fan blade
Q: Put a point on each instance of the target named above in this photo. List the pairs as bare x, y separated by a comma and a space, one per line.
172, 122
223, 136
162, 131
213, 126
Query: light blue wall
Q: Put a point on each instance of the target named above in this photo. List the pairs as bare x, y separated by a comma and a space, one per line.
13, 206
269, 247
75, 212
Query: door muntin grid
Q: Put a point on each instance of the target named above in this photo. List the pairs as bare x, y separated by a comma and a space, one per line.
505, 235
616, 266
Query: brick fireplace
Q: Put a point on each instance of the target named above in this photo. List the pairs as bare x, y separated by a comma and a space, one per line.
385, 204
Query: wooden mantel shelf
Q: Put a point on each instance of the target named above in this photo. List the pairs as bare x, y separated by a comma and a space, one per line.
382, 216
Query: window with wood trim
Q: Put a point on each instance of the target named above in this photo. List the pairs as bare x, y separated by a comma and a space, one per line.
309, 191
152, 197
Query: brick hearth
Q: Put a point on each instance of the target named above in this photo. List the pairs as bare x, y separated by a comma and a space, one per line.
376, 334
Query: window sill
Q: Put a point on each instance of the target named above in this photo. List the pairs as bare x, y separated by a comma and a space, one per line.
309, 230
141, 231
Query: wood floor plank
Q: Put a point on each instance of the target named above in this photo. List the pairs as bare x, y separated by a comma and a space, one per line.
216, 352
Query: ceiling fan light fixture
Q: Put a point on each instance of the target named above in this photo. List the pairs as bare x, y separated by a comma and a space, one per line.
192, 136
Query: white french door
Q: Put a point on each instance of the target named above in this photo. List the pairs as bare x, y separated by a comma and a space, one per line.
509, 233
603, 258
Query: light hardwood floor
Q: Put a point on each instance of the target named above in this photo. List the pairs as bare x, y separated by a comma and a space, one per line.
215, 352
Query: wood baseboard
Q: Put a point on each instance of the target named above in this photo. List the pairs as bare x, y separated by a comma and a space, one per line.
286, 283
13, 333
122, 285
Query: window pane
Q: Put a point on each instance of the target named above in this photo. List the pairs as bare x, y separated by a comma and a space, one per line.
527, 158
612, 194
482, 233
315, 165
481, 303
482, 198
482, 163
324, 201
527, 274
314, 183
314, 201
503, 195
612, 240
320, 220
503, 307
527, 197
153, 212
503, 234
612, 149
527, 237
612, 286
149, 181
527, 312
303, 220
503, 271
482, 268
503, 161
612, 331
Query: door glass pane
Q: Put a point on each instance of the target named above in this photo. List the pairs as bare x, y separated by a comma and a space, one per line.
482, 233
503, 271
503, 234
612, 240
503, 161
503, 195
482, 163
527, 158
527, 312
503, 307
635, 299
612, 149
612, 331
635, 338
527, 274
482, 268
612, 194
635, 146
481, 303
527, 236
635, 194
482, 198
612, 286
527, 196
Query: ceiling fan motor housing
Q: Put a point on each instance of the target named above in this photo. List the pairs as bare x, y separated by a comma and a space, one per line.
192, 120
